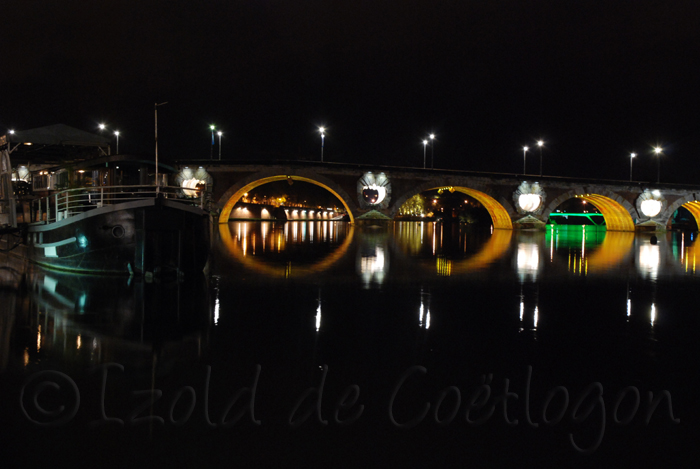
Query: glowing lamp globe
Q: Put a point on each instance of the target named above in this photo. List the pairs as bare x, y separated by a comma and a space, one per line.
651, 207
529, 202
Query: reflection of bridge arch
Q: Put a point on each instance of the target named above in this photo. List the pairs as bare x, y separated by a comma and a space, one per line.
692, 205
499, 215
614, 248
493, 250
235, 192
618, 212
236, 252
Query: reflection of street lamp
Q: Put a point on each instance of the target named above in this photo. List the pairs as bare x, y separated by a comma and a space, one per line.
525, 149
432, 150
425, 144
540, 143
323, 137
116, 132
658, 151
219, 133
632, 155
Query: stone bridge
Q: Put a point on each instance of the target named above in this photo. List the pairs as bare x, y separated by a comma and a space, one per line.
512, 200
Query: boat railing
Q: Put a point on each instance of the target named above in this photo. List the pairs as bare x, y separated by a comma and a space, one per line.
71, 202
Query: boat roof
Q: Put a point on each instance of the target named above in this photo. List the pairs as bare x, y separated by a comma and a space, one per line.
56, 144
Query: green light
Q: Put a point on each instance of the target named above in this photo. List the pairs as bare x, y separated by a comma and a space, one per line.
594, 218
212, 127
573, 236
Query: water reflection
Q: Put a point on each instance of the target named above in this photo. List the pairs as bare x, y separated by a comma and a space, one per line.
577, 307
649, 260
589, 250
318, 312
373, 255
528, 260
297, 249
612, 252
292, 249
451, 249
424, 310
684, 251
529, 307
90, 319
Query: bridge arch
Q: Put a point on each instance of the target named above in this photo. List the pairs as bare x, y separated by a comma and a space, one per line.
618, 213
236, 191
500, 216
689, 203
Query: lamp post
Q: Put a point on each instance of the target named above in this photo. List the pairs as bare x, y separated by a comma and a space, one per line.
155, 110
425, 144
211, 150
323, 137
219, 133
116, 132
525, 149
540, 143
632, 155
102, 127
658, 151
432, 151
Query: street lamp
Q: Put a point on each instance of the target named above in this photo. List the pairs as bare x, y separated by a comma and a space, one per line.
425, 144
219, 133
323, 137
632, 155
116, 132
525, 149
540, 143
432, 150
102, 127
211, 150
658, 151
155, 111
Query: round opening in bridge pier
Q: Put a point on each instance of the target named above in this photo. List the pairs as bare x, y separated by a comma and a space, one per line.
118, 231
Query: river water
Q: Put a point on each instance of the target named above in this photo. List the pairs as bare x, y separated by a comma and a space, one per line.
321, 344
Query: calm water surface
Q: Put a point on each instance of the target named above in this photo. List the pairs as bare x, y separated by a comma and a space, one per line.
327, 345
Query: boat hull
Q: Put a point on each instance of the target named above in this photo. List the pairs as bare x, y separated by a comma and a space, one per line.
152, 237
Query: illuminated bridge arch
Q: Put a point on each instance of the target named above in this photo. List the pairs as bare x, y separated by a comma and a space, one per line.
618, 213
500, 216
235, 192
689, 203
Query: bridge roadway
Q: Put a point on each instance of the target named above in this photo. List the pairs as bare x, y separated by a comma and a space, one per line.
512, 200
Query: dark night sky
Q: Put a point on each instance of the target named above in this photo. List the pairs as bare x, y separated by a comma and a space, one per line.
595, 79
